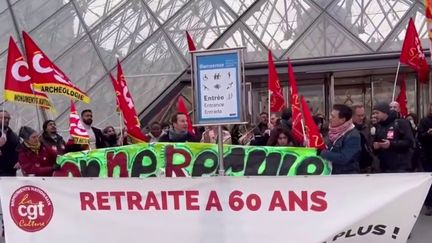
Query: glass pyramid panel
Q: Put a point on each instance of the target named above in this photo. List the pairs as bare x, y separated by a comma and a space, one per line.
278, 23
94, 11
240, 36
59, 33
122, 32
23, 115
3, 61
204, 19
239, 6
371, 20
323, 3
159, 65
326, 38
83, 66
165, 9
31, 13
395, 42
6, 30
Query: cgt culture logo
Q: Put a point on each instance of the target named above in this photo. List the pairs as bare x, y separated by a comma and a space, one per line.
30, 208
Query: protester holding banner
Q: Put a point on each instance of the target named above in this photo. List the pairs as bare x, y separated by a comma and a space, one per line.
179, 133
394, 140
96, 136
343, 142
50, 138
8, 144
35, 158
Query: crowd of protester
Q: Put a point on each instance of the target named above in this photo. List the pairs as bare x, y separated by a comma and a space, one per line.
384, 143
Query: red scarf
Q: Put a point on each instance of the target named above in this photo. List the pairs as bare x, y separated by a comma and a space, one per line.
336, 132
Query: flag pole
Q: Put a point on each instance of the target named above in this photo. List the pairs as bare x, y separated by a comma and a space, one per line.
3, 110
268, 102
303, 125
121, 128
395, 82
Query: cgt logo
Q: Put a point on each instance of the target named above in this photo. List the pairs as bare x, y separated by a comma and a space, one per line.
31, 209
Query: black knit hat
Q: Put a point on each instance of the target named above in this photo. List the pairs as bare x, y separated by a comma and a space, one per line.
25, 132
384, 107
45, 124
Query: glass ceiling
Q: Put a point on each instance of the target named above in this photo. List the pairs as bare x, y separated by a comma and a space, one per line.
85, 37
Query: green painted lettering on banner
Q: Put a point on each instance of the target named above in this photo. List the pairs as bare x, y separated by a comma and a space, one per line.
191, 159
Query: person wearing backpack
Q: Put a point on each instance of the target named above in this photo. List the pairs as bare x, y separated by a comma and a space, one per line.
394, 140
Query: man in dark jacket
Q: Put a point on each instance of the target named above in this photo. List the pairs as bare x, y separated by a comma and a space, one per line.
8, 144
394, 140
343, 142
359, 120
96, 135
425, 138
179, 133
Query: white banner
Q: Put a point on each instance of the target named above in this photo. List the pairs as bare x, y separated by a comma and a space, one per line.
355, 208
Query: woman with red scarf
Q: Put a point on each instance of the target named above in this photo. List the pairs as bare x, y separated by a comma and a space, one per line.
343, 142
34, 158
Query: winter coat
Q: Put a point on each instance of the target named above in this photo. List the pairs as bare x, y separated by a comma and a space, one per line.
344, 153
8, 154
425, 138
171, 138
56, 144
40, 164
397, 158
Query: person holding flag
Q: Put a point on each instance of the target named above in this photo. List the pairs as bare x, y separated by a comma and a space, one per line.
343, 142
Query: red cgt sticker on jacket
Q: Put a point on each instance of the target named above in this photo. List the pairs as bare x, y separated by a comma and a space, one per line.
390, 134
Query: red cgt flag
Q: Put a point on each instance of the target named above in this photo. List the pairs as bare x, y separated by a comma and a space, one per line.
76, 129
314, 137
402, 99
412, 53
181, 107
277, 100
190, 42
127, 107
46, 76
297, 128
18, 86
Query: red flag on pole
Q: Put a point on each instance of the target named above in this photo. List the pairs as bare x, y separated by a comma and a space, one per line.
277, 100
313, 134
18, 85
76, 129
127, 107
402, 99
190, 42
46, 76
412, 53
297, 128
181, 108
